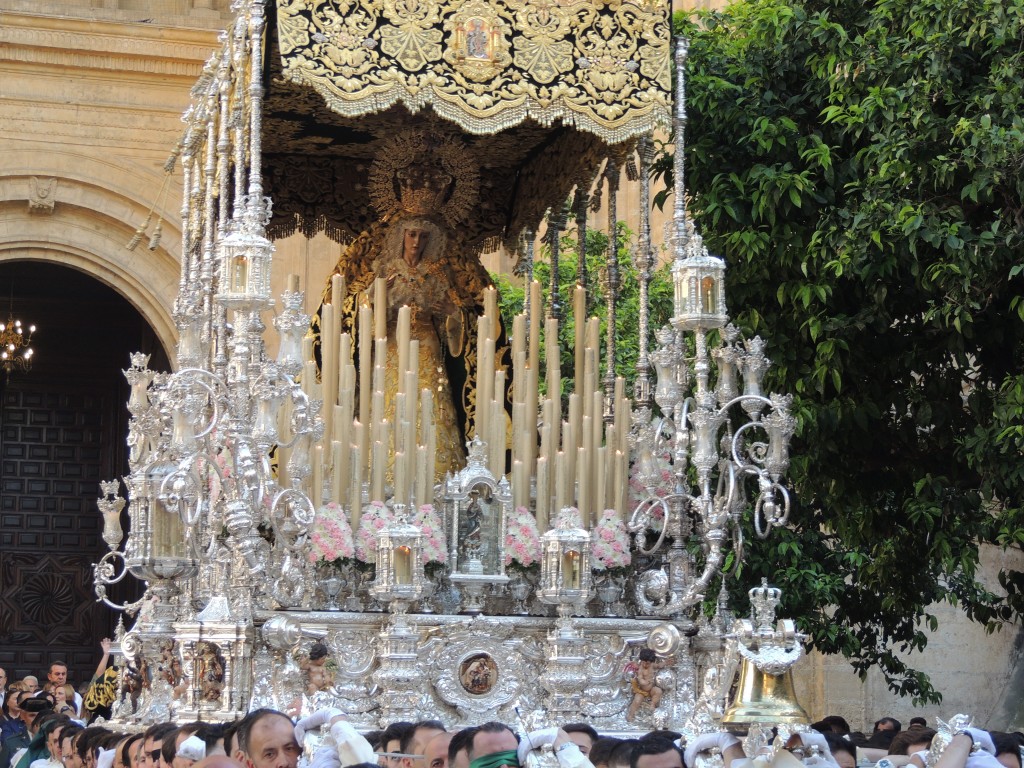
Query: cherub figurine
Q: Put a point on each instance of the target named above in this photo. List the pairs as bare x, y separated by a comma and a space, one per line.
643, 683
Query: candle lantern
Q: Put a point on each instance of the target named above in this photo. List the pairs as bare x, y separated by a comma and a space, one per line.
699, 281
399, 562
565, 569
244, 255
477, 510
157, 546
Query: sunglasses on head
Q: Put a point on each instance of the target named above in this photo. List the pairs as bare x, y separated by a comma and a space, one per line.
154, 755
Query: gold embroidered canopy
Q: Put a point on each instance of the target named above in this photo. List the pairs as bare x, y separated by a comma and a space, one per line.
532, 92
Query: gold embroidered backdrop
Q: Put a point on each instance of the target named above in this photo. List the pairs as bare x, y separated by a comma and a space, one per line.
531, 93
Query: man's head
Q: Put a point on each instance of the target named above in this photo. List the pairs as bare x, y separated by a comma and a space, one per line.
492, 738
68, 748
152, 741
435, 753
1007, 749
582, 735
31, 708
458, 748
53, 741
266, 739
3, 679
622, 754
832, 724
602, 750
391, 743
909, 742
655, 752
843, 751
58, 674
887, 724
414, 740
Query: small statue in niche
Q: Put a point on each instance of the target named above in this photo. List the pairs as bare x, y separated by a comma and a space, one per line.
472, 539
643, 683
317, 669
211, 672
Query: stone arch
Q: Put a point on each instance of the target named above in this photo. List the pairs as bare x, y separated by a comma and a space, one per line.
97, 205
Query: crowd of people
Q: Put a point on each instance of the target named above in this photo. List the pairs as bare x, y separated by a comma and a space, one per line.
46, 726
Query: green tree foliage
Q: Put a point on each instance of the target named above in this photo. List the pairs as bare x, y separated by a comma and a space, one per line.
627, 308
861, 167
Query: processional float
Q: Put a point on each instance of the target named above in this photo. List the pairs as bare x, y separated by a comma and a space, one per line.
407, 512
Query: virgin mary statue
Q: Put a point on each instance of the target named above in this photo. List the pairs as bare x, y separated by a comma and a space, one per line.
418, 252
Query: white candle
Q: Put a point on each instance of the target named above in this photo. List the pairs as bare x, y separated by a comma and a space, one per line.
543, 494
599, 480
341, 469
317, 494
328, 368
377, 475
355, 489
421, 476
403, 335
584, 492
365, 365
561, 483
579, 317
400, 477
536, 313
380, 322
491, 311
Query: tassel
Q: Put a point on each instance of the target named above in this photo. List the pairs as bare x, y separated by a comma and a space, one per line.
139, 233
154, 239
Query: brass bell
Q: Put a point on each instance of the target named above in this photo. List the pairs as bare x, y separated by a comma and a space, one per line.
763, 698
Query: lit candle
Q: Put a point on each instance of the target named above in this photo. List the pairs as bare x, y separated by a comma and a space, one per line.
571, 569
403, 565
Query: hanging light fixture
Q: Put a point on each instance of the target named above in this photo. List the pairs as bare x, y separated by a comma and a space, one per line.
15, 341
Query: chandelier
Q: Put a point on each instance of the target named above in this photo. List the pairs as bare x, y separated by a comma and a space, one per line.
15, 351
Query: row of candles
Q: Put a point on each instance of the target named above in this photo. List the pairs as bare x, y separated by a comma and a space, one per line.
571, 459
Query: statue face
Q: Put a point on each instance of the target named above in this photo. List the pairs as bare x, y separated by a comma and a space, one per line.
414, 243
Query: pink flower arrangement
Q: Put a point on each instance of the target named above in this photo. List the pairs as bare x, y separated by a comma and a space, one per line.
609, 545
522, 539
435, 545
331, 536
374, 518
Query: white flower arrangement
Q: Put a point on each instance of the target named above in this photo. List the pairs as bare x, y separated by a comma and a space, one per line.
522, 540
331, 537
609, 544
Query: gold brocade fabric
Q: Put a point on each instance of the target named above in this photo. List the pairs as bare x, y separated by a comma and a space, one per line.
486, 65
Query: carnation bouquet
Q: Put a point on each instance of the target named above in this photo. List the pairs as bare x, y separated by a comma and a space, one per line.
331, 537
609, 545
376, 516
522, 541
435, 545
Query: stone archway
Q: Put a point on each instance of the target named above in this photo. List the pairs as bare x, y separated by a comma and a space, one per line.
84, 220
